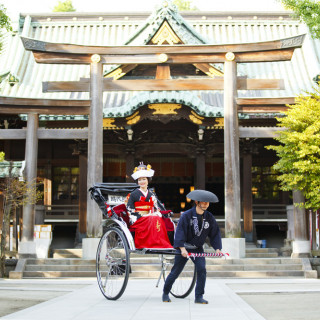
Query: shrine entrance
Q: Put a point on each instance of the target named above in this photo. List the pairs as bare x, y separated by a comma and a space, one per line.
163, 57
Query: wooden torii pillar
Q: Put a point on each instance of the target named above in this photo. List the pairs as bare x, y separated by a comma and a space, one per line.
230, 55
27, 247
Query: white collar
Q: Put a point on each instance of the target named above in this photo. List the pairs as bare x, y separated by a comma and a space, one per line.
145, 193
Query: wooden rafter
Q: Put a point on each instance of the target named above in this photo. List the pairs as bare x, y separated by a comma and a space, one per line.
278, 50
162, 84
9, 105
42, 46
16, 134
174, 58
257, 105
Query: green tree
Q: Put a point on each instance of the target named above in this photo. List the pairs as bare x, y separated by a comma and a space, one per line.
184, 5
15, 193
64, 6
307, 11
5, 22
299, 148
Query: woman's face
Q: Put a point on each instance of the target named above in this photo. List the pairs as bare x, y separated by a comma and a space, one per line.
143, 182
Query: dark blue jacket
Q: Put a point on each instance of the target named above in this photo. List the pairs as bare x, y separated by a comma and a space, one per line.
185, 230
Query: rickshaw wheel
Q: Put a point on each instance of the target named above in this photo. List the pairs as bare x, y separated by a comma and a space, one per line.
112, 263
186, 281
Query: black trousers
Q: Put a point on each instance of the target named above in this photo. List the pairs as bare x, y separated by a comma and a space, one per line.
179, 263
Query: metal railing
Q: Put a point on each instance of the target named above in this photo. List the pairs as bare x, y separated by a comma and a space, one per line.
269, 212
63, 212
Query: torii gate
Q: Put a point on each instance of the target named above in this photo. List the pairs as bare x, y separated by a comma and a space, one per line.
163, 57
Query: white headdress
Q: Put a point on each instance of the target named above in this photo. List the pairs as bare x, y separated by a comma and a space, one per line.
142, 171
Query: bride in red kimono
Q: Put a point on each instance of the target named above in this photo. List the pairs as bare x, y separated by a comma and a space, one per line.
145, 216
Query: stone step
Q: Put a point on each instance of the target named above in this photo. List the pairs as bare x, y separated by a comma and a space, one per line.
262, 250
267, 261
145, 266
58, 274
157, 267
264, 267
156, 260
255, 274
68, 261
67, 253
261, 255
50, 268
147, 259
155, 274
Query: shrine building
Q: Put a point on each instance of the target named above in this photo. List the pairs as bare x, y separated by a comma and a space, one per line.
193, 94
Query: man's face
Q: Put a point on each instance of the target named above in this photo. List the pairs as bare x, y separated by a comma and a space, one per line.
203, 205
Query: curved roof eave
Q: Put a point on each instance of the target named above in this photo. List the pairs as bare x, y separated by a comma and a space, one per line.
149, 97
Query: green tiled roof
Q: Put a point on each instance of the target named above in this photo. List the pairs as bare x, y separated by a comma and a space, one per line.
179, 25
16, 169
148, 97
132, 29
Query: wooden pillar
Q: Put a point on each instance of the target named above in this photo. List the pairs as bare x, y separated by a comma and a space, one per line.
247, 195
47, 184
299, 216
1, 212
200, 179
300, 245
31, 156
83, 193
129, 163
95, 146
231, 150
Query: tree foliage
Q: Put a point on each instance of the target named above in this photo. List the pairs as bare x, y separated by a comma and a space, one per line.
16, 193
307, 11
64, 6
299, 148
4, 19
5, 22
184, 5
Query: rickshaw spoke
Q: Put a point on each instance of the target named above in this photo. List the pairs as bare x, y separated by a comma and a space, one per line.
112, 266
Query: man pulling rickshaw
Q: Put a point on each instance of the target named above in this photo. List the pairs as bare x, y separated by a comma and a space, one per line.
141, 227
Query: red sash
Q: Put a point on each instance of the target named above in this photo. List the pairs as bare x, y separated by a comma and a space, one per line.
143, 205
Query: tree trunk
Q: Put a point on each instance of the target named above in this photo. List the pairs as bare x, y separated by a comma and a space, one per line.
3, 243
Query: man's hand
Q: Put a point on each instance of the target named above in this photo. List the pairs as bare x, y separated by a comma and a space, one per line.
184, 252
218, 251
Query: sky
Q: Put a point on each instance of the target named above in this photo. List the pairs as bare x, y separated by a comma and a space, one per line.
36, 6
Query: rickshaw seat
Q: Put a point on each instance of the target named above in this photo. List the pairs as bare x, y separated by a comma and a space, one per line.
122, 212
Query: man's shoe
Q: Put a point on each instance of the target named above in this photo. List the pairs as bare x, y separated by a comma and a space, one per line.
165, 298
201, 300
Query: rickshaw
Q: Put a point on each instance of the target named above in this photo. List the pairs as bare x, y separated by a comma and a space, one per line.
117, 243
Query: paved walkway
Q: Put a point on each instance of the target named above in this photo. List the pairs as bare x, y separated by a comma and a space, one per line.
236, 299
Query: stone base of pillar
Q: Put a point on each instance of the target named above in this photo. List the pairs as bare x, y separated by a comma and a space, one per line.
89, 248
301, 249
27, 249
236, 247
248, 236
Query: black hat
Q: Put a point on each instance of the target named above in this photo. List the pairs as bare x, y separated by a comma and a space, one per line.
203, 196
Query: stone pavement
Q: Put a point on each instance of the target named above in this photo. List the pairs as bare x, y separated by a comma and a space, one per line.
236, 299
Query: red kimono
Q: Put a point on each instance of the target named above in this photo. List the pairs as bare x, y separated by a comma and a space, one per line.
150, 230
